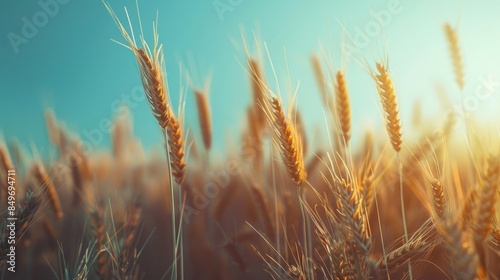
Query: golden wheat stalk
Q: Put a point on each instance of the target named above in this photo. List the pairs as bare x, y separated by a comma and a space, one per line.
301, 131
400, 256
151, 67
176, 147
439, 199
288, 141
99, 230
204, 117
456, 56
463, 255
52, 127
353, 218
486, 200
26, 216
320, 79
48, 187
258, 89
367, 186
78, 179
468, 209
343, 106
387, 95
5, 160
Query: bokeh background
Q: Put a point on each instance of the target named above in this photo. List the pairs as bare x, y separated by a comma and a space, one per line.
71, 65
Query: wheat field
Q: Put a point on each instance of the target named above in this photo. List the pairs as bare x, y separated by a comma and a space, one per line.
279, 205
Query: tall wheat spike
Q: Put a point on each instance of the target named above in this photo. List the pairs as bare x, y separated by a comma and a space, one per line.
258, 89
485, 209
176, 144
387, 95
354, 219
401, 255
204, 117
320, 79
99, 230
151, 67
438, 198
456, 56
343, 106
461, 249
5, 160
48, 187
288, 141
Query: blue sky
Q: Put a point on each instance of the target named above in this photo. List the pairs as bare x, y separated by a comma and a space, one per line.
70, 64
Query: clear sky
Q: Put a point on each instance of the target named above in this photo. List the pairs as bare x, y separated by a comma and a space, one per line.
58, 54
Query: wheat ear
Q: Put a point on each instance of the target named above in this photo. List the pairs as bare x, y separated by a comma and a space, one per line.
485, 210
25, 218
5, 160
354, 219
99, 230
343, 106
151, 67
439, 199
464, 260
456, 56
403, 254
176, 147
258, 89
48, 188
5, 166
288, 141
204, 118
387, 95
78, 180
320, 79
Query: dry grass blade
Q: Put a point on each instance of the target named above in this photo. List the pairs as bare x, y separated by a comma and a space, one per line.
387, 94
456, 56
343, 106
48, 187
288, 140
204, 118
